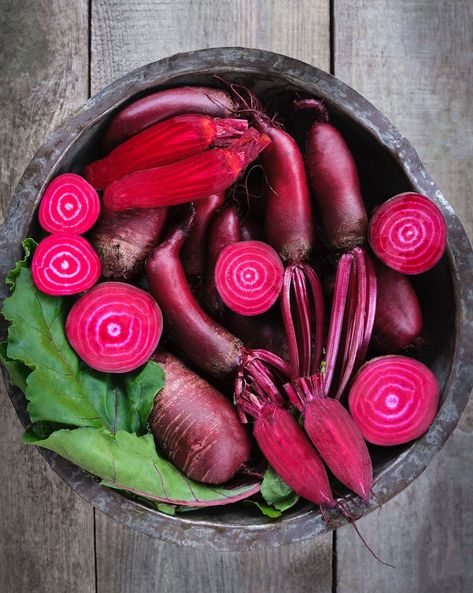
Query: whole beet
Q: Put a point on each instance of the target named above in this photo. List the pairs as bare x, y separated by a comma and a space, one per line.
196, 426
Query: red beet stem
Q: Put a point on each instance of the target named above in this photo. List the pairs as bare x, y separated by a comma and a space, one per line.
115, 327
398, 321
203, 341
193, 178
69, 205
393, 399
248, 277
64, 264
334, 178
194, 252
163, 143
165, 104
196, 426
408, 233
124, 240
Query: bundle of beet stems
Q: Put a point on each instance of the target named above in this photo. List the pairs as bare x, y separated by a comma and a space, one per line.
212, 270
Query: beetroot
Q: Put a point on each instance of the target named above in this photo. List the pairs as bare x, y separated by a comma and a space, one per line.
114, 327
69, 205
394, 399
205, 342
334, 178
248, 277
408, 233
193, 178
166, 142
196, 426
162, 105
194, 252
398, 321
64, 264
335, 435
124, 240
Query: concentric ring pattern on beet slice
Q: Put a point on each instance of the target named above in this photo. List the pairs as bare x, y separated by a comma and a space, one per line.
249, 277
115, 327
65, 264
69, 204
408, 233
394, 399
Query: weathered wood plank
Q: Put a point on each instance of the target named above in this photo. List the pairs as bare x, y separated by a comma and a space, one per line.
127, 34
46, 535
143, 32
413, 59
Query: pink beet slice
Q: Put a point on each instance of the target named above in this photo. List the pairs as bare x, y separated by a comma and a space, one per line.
394, 399
69, 204
408, 233
65, 264
249, 277
115, 327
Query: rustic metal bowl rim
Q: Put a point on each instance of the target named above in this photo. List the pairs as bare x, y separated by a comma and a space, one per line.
185, 530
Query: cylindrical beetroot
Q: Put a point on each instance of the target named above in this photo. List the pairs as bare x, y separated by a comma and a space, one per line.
124, 240
193, 178
194, 252
398, 320
162, 105
334, 178
166, 142
205, 342
288, 216
196, 426
115, 327
64, 264
291, 454
394, 399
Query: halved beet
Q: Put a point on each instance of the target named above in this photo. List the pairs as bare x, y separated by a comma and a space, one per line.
65, 264
114, 327
69, 204
249, 277
408, 233
394, 399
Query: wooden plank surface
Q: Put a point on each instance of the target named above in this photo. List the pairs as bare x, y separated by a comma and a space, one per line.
46, 533
143, 32
414, 60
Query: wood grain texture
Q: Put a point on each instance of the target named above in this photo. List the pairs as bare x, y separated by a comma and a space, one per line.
143, 32
46, 532
414, 60
129, 33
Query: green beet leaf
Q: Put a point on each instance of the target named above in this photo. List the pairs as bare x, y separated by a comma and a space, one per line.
276, 492
60, 388
129, 462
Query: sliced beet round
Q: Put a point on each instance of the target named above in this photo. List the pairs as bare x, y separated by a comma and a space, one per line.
249, 277
394, 399
69, 204
115, 327
408, 233
65, 264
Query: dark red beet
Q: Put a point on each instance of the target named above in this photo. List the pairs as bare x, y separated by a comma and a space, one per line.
205, 342
334, 178
194, 252
115, 327
251, 230
398, 320
288, 217
196, 426
124, 240
165, 104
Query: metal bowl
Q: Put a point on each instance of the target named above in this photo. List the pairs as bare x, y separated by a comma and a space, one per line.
388, 165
